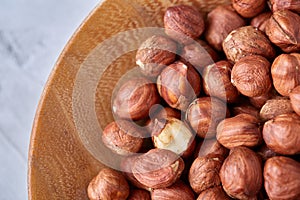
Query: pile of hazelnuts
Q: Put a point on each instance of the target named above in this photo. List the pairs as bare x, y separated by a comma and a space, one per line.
216, 114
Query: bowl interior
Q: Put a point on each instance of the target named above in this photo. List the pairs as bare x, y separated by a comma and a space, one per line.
76, 103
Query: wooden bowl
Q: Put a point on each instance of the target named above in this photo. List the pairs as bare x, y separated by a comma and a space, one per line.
76, 103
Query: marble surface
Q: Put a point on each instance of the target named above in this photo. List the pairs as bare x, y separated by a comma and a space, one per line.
32, 35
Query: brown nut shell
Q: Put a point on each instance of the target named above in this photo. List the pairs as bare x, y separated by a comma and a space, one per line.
177, 191
135, 98
285, 73
281, 175
241, 173
246, 41
211, 148
295, 99
293, 5
108, 184
275, 107
217, 82
215, 193
244, 108
249, 8
261, 20
139, 195
183, 23
204, 173
178, 84
220, 22
281, 134
251, 76
283, 30
158, 168
204, 114
155, 54
240, 130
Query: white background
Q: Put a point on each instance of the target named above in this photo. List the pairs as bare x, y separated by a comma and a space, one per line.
32, 35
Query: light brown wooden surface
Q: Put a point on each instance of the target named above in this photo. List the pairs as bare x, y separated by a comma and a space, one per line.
60, 167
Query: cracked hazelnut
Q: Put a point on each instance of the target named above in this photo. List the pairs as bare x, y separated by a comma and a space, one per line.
293, 5
249, 8
251, 76
183, 23
158, 168
211, 148
283, 30
281, 175
275, 107
295, 99
177, 191
139, 195
261, 20
215, 193
204, 173
281, 134
135, 98
217, 82
155, 54
108, 184
246, 41
240, 130
199, 54
220, 22
178, 84
123, 137
285, 73
241, 173
204, 114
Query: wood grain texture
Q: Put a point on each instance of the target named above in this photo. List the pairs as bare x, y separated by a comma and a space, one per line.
59, 165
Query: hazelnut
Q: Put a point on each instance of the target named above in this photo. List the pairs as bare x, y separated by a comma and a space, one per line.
183, 23
295, 99
216, 82
204, 114
251, 76
139, 195
158, 168
204, 173
275, 107
172, 134
199, 54
244, 108
293, 5
215, 193
180, 93
249, 8
281, 175
260, 21
177, 191
259, 101
285, 73
265, 152
246, 41
241, 173
240, 130
220, 22
211, 148
166, 112
155, 53
135, 98
281, 134
108, 184
283, 30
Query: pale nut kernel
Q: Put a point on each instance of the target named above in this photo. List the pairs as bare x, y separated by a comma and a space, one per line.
156, 53
261, 20
246, 41
293, 5
183, 23
251, 76
220, 22
158, 168
249, 8
108, 184
215, 193
240, 130
281, 178
283, 31
285, 72
177, 191
295, 99
241, 173
275, 107
281, 134
180, 93
204, 173
137, 194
